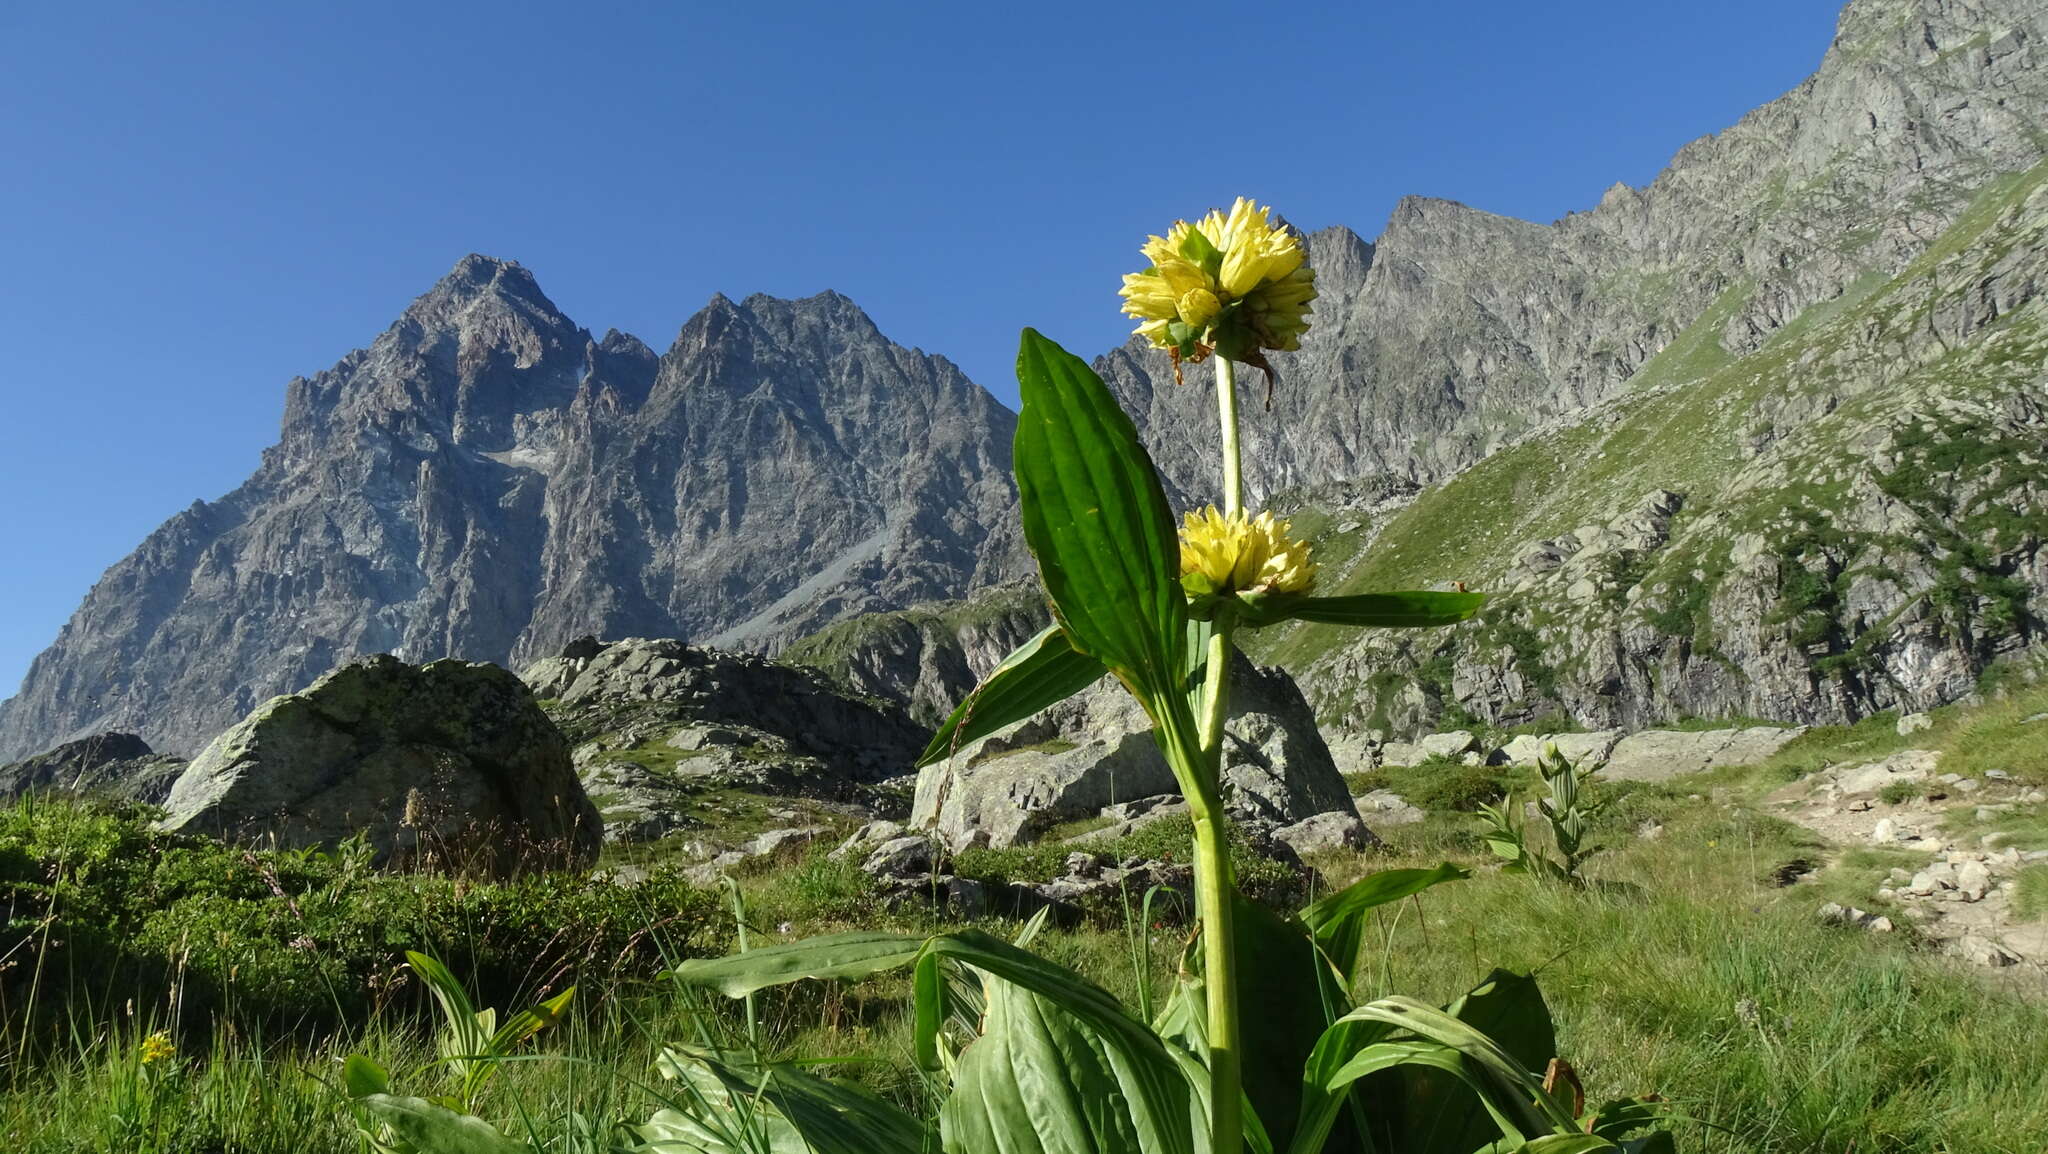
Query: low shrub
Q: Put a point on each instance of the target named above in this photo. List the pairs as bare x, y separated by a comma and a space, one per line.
99, 909
1450, 785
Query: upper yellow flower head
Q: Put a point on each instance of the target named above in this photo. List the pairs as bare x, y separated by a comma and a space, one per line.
1231, 282
1229, 553
158, 1047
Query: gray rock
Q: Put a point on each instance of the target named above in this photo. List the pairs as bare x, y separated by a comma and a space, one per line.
1451, 744
1384, 807
865, 839
1327, 833
114, 765
1985, 952
1912, 723
1974, 880
448, 762
776, 840
1403, 753
743, 719
899, 857
1096, 750
1660, 754
1584, 750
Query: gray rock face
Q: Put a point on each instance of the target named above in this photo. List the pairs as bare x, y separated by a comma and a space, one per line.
929, 657
1095, 750
738, 714
1658, 754
488, 481
447, 763
117, 765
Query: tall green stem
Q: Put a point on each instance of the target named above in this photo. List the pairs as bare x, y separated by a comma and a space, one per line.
1226, 412
1214, 887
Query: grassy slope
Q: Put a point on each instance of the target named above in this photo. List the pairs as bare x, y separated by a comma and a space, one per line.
1685, 422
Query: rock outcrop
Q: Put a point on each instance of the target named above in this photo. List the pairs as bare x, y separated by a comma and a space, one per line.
1095, 750
448, 764
488, 481
115, 765
776, 725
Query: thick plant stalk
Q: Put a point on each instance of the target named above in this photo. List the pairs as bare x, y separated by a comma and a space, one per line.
1214, 886
1226, 412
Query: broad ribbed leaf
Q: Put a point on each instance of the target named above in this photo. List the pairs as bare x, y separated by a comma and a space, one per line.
1097, 520
850, 955
1425, 1107
1043, 671
1338, 921
1418, 609
1043, 1080
422, 1125
823, 1117
1290, 993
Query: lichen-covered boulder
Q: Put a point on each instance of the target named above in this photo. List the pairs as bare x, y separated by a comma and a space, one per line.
448, 764
1095, 750
112, 765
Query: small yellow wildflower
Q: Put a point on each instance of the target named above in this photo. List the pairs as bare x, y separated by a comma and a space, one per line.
1230, 553
1234, 283
158, 1047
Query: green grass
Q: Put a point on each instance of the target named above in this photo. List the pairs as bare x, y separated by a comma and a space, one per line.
1684, 969
2030, 895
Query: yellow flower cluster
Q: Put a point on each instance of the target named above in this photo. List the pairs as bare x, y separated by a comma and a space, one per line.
1234, 282
158, 1047
1229, 553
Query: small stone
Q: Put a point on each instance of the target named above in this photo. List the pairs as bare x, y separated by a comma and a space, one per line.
1969, 785
1860, 805
1887, 893
2034, 796
1879, 925
1923, 883
1949, 778
1913, 723
1997, 775
1084, 865
1650, 830
1974, 881
1885, 833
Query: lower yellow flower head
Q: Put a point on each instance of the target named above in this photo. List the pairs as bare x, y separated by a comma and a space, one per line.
1231, 282
1229, 553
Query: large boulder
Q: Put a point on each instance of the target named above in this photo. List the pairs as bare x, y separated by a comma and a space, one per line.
1658, 754
1095, 750
737, 718
114, 765
449, 763
1583, 750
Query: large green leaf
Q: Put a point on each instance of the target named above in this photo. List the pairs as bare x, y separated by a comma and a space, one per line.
1290, 994
1417, 609
1434, 1106
422, 1125
1338, 920
1043, 671
788, 1107
849, 955
1041, 1080
1096, 518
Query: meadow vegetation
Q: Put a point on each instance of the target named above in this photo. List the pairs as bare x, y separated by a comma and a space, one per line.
1688, 966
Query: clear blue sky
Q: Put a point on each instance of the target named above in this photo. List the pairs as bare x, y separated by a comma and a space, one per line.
198, 202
